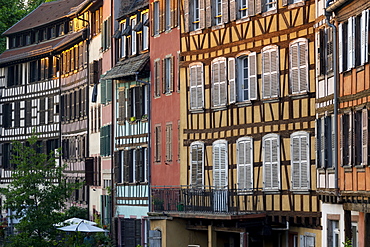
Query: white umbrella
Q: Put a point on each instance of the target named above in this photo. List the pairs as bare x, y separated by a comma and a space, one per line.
81, 227
72, 221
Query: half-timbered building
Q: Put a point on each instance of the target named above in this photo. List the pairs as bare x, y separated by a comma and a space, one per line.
127, 87
247, 120
31, 70
342, 102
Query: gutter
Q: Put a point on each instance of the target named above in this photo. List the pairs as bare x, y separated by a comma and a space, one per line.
334, 6
328, 11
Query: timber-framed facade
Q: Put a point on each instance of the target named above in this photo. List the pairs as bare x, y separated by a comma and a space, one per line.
248, 128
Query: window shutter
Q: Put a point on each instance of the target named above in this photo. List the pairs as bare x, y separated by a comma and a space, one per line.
163, 80
365, 135
332, 144
245, 164
303, 66
202, 15
342, 131
252, 69
267, 164
351, 47
251, 7
329, 49
318, 53
364, 36
294, 68
232, 10
266, 75
193, 86
258, 7
285, 2
208, 21
103, 91
161, 16
275, 170
121, 102
199, 83
109, 90
196, 164
225, 11
223, 84
151, 16
220, 165
322, 143
232, 83
295, 153
155, 238
171, 74
215, 83
174, 13
340, 46
275, 73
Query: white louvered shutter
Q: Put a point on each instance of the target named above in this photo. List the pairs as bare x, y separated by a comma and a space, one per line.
318, 53
364, 36
252, 69
225, 11
275, 169
202, 15
295, 151
208, 21
300, 161
220, 165
318, 141
267, 164
245, 164
197, 157
365, 135
351, 47
193, 87
294, 68
323, 142
215, 84
232, 82
200, 91
303, 66
223, 82
275, 73
340, 44
266, 75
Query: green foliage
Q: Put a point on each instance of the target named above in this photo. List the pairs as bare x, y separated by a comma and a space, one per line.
348, 243
76, 212
36, 194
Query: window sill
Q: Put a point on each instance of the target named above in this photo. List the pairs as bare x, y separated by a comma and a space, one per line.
270, 12
242, 20
330, 170
219, 108
321, 170
295, 5
245, 192
347, 72
271, 100
219, 26
200, 110
360, 68
300, 191
299, 95
360, 168
244, 103
271, 191
195, 32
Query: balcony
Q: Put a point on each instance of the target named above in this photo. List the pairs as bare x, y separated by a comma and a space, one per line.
279, 205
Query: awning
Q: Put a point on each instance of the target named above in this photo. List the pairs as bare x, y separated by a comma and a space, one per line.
128, 67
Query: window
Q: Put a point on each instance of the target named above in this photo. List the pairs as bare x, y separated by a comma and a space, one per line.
105, 141
168, 75
28, 113
195, 14
217, 12
346, 139
324, 143
157, 144
269, 5
135, 163
242, 8
220, 164
197, 164
324, 53
307, 241
246, 79
270, 72
145, 31
157, 78
168, 20
218, 81
271, 162
298, 52
15, 74
134, 37
169, 142
7, 115
244, 152
354, 241
106, 91
156, 23
137, 99
300, 160
17, 114
333, 234
196, 86
123, 40
133, 231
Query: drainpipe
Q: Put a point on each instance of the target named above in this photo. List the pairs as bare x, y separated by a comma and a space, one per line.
335, 65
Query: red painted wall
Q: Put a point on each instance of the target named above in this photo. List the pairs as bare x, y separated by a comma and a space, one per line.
165, 109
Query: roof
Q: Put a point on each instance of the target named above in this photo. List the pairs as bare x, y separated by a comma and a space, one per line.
128, 67
46, 13
130, 6
28, 52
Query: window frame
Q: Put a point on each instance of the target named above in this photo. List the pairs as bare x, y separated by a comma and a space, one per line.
268, 53
302, 70
300, 170
245, 165
156, 18
273, 174
217, 12
196, 87
197, 166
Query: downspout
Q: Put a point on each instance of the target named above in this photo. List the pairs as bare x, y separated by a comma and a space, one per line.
328, 12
